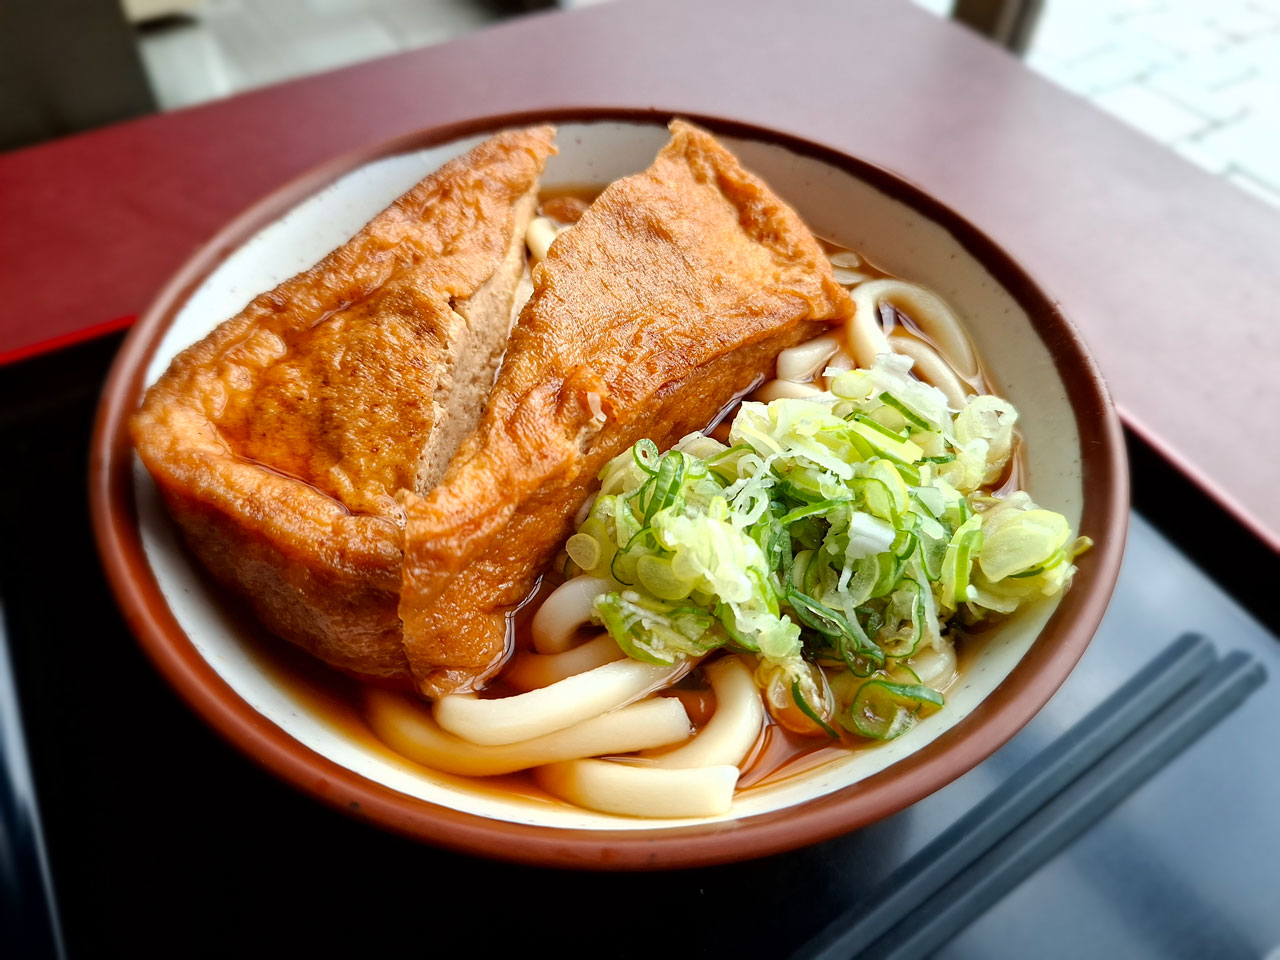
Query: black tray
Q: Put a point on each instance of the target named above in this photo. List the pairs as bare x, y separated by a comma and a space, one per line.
164, 841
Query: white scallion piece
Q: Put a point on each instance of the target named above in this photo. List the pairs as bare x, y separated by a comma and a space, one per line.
584, 511
840, 363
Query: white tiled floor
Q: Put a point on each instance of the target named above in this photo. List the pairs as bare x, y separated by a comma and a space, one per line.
1200, 76
1155, 115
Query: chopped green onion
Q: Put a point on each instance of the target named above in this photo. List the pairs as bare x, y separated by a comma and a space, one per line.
882, 710
811, 509
646, 456
584, 550
885, 441
809, 712
655, 632
845, 534
815, 613
913, 418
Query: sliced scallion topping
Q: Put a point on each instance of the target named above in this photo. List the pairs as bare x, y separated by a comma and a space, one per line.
883, 710
809, 712
851, 532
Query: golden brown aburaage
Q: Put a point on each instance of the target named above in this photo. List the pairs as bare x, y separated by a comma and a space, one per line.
280, 440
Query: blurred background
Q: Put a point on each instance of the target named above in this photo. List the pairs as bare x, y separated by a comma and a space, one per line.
1202, 78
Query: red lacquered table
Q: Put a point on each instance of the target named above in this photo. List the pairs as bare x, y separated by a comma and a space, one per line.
1171, 274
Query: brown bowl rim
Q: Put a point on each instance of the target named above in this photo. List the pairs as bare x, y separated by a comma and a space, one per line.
1002, 714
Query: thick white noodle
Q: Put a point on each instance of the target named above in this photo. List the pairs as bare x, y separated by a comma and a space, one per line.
927, 311
935, 666
732, 730
529, 671
551, 708
802, 362
845, 258
407, 728
584, 511
637, 791
565, 609
932, 369
847, 277
539, 235
786, 389
866, 339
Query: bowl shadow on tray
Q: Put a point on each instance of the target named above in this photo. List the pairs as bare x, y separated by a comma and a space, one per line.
745, 909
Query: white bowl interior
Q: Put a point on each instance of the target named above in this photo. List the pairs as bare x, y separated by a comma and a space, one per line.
837, 206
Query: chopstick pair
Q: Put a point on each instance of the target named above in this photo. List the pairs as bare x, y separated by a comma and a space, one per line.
1070, 785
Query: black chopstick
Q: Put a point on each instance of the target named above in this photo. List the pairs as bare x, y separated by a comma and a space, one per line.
28, 913
1128, 710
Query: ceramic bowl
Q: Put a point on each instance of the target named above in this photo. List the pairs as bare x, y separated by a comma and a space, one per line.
1074, 455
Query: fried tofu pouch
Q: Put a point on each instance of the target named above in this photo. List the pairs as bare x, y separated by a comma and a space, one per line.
281, 440
671, 296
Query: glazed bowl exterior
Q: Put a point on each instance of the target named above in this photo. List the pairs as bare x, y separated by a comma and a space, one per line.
1074, 458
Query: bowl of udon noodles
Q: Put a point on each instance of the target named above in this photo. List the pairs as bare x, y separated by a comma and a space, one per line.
860, 581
